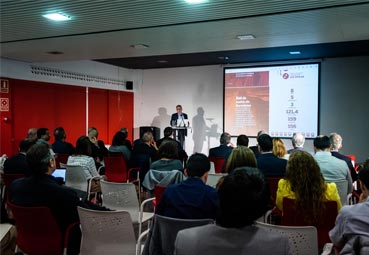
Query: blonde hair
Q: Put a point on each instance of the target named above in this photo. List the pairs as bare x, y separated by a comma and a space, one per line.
240, 156
278, 148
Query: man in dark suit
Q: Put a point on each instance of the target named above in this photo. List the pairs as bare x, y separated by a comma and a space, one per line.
179, 116
268, 163
18, 164
224, 149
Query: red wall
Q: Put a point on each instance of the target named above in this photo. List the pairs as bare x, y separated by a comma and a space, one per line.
40, 104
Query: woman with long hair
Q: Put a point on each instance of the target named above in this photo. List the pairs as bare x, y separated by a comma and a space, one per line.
279, 149
305, 183
240, 156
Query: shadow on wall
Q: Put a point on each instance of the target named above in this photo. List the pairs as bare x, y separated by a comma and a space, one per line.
162, 120
201, 131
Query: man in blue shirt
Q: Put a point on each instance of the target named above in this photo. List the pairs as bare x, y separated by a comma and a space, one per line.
192, 198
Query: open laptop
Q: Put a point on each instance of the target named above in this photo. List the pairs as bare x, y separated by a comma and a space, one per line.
182, 122
59, 173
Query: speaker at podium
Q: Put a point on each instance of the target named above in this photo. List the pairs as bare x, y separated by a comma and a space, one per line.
155, 131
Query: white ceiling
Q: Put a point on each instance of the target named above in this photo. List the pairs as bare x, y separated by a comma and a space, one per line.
106, 29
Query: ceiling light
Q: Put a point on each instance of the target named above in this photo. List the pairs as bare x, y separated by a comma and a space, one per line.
195, 1
223, 57
57, 16
162, 61
139, 46
295, 52
246, 37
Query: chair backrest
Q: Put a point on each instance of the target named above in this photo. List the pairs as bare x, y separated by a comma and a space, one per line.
272, 182
75, 177
106, 232
37, 230
8, 179
302, 240
294, 217
115, 168
120, 196
218, 163
162, 178
158, 192
61, 158
214, 178
164, 231
342, 190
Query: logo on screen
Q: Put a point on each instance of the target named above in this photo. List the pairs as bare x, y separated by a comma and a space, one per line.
285, 76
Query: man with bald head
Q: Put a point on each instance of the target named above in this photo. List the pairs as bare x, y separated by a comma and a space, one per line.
298, 141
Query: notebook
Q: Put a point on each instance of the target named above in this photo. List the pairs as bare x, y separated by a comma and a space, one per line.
59, 172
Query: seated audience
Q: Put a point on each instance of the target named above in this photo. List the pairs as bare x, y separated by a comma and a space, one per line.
168, 135
242, 199
353, 220
43, 136
42, 189
119, 144
336, 145
18, 164
240, 156
32, 134
332, 168
126, 141
267, 162
255, 148
305, 183
98, 149
242, 140
279, 149
60, 146
298, 141
224, 149
168, 153
83, 158
192, 198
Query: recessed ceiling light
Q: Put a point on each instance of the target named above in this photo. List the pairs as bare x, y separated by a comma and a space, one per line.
57, 16
195, 1
162, 61
223, 57
139, 46
295, 52
246, 37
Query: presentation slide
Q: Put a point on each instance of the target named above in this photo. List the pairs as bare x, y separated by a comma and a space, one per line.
280, 100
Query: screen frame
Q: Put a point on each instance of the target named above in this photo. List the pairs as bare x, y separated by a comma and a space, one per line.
317, 62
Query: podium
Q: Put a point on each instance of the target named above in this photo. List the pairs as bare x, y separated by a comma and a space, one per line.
179, 134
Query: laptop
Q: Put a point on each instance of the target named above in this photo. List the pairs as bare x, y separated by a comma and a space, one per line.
182, 122
59, 173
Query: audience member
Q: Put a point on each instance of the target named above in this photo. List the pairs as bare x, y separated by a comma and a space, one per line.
168, 135
243, 140
305, 183
60, 146
279, 149
336, 145
126, 141
298, 141
43, 136
243, 199
168, 153
82, 157
267, 162
42, 189
192, 198
353, 220
32, 134
224, 149
240, 156
332, 168
18, 164
98, 149
255, 148
119, 144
